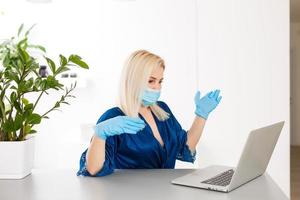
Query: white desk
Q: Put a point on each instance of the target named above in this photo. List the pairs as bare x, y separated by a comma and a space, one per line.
127, 185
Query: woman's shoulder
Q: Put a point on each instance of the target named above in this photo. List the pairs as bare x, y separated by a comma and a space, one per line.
110, 113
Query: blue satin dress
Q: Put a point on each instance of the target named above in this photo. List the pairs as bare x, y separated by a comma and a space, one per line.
142, 150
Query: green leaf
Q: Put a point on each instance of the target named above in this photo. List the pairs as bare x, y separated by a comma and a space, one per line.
20, 29
18, 122
74, 56
20, 64
28, 106
77, 60
37, 47
61, 69
2, 94
32, 131
29, 84
13, 97
63, 60
25, 101
51, 82
28, 31
28, 110
24, 87
10, 75
27, 128
23, 55
51, 64
35, 88
6, 60
17, 106
43, 85
22, 43
37, 83
34, 118
57, 104
8, 126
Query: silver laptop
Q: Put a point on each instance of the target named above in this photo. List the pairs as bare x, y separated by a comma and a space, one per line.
253, 163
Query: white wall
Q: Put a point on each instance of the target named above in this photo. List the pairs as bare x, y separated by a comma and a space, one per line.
295, 82
244, 51
232, 45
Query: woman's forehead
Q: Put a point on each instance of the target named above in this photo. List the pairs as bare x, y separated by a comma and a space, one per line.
157, 73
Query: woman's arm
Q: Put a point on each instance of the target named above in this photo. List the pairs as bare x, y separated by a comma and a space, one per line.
97, 152
95, 155
204, 106
195, 132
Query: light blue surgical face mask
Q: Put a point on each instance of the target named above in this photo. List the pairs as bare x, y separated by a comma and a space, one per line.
150, 96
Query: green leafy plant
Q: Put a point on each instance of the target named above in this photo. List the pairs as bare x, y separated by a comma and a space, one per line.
19, 75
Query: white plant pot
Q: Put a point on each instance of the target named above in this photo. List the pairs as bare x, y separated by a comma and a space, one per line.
16, 158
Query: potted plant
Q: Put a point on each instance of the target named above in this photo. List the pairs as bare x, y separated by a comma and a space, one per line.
20, 74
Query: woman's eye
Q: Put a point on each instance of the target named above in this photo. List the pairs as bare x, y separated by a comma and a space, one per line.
151, 81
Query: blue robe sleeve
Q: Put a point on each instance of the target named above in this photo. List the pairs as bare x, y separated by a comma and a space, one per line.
184, 153
110, 151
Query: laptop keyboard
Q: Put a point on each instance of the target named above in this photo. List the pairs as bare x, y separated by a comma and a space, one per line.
222, 179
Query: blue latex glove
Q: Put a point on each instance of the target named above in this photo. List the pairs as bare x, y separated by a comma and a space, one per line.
207, 103
119, 125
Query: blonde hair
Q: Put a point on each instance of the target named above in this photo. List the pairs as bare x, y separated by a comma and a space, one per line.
134, 80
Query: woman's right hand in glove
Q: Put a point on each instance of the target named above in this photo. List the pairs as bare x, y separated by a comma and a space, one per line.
119, 125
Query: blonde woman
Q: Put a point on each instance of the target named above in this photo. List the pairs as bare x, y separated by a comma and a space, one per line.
142, 132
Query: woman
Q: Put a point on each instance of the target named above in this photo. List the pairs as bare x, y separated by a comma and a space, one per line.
142, 132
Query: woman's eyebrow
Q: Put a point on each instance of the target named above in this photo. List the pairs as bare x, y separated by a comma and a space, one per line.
155, 78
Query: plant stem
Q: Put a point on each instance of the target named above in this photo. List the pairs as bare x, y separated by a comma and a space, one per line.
21, 135
37, 100
3, 112
66, 95
13, 133
1, 136
8, 100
